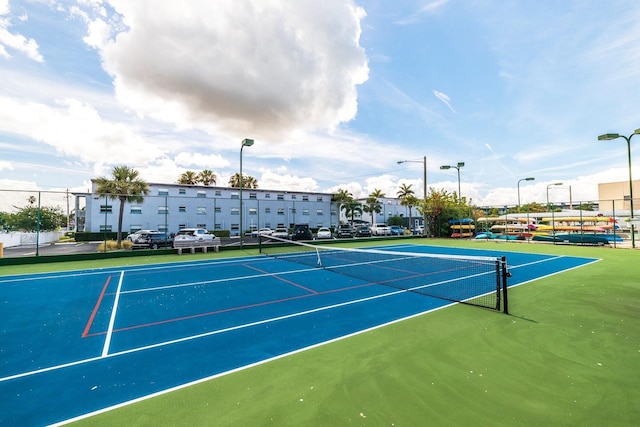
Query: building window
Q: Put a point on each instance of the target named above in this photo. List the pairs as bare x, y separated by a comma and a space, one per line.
305, 198
294, 197
217, 209
293, 211
136, 210
253, 211
305, 212
105, 228
202, 194
201, 226
135, 227
182, 191
267, 210
201, 210
163, 228
319, 199
163, 192
253, 195
235, 211
106, 208
217, 226
163, 209
235, 195
280, 211
267, 195
182, 209
218, 193
319, 212
280, 196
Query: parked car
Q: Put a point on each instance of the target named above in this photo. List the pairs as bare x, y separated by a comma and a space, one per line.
281, 232
152, 240
301, 232
363, 231
133, 236
193, 234
345, 230
380, 230
324, 233
418, 231
261, 232
396, 230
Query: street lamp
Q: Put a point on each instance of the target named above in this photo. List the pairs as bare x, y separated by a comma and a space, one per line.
520, 180
551, 185
610, 136
245, 143
424, 189
458, 166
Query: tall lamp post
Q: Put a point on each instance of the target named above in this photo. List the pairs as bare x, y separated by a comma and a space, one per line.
519, 181
424, 189
610, 136
551, 185
457, 167
245, 143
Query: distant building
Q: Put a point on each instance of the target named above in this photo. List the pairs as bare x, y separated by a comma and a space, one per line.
170, 207
615, 196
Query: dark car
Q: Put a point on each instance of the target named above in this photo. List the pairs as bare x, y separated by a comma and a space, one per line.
301, 232
363, 231
344, 230
152, 240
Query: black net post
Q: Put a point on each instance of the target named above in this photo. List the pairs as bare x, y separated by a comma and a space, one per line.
505, 274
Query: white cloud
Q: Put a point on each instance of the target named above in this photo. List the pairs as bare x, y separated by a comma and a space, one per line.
444, 98
259, 67
16, 42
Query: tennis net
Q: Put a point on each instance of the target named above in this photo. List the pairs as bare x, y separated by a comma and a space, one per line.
475, 280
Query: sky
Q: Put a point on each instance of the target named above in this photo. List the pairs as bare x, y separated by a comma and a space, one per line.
334, 93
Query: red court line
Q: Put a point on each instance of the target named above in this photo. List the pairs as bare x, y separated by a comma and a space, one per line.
227, 310
95, 309
281, 278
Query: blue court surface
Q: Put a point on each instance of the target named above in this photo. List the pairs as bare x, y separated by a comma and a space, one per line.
79, 342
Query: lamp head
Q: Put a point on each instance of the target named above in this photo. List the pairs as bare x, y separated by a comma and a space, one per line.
445, 167
530, 179
460, 164
247, 142
609, 136
636, 132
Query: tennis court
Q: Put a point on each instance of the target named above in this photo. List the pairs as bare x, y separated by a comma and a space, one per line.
78, 342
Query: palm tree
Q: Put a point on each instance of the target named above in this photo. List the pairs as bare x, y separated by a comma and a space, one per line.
373, 205
188, 177
342, 196
410, 201
125, 185
207, 177
404, 192
247, 181
350, 208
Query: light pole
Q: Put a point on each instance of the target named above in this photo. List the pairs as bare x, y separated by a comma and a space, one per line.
424, 189
519, 181
457, 167
610, 136
551, 185
245, 143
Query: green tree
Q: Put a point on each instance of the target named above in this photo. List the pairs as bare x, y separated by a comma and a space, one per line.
350, 208
188, 178
124, 185
26, 218
341, 197
247, 181
207, 177
373, 205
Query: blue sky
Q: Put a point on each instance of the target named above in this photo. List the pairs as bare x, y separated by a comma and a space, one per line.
334, 93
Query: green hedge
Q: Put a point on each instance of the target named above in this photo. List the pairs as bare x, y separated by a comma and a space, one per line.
83, 236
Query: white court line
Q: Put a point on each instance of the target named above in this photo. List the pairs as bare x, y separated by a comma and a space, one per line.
107, 341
